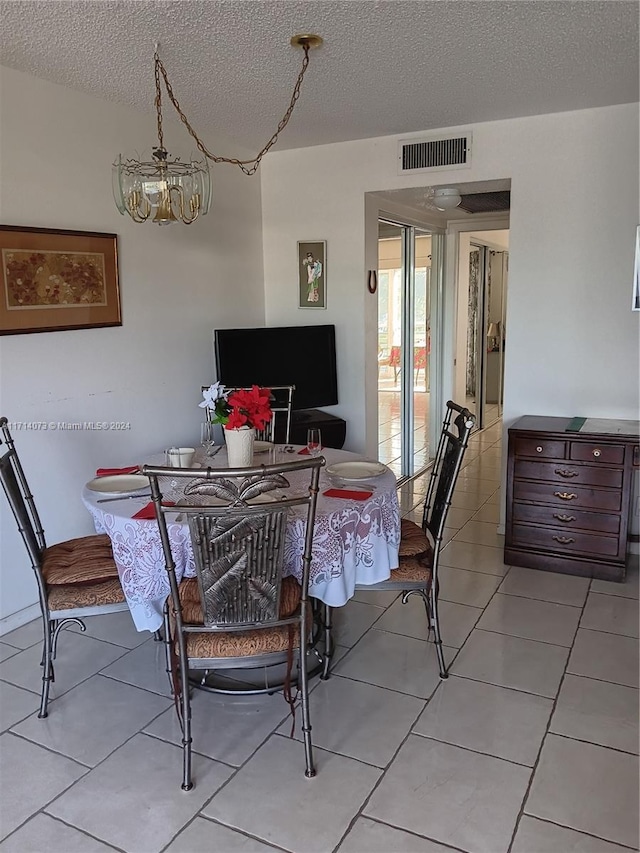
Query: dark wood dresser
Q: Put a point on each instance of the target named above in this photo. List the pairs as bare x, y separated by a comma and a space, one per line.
569, 496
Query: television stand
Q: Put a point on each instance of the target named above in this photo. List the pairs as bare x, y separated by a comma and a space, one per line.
333, 429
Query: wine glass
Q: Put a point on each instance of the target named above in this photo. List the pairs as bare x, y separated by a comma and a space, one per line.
207, 438
314, 443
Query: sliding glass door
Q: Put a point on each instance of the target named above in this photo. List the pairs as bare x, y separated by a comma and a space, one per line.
405, 287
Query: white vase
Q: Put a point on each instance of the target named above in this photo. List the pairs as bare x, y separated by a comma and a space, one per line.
240, 446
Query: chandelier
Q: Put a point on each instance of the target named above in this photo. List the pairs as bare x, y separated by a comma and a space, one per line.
166, 189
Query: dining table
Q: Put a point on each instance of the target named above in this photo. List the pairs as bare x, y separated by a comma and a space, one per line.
355, 541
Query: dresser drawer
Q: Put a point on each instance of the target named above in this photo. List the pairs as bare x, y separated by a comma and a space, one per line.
567, 518
561, 472
540, 448
564, 542
611, 454
568, 496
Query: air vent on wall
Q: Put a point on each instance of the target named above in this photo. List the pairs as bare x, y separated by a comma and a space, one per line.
430, 153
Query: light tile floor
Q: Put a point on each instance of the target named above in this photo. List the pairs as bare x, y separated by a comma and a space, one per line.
530, 746
389, 423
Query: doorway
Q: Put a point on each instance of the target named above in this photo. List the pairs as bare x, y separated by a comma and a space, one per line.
484, 325
405, 285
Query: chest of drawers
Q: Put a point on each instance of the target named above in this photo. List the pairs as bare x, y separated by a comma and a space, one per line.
568, 498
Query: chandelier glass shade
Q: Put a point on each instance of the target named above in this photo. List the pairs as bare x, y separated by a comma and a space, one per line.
162, 189
165, 189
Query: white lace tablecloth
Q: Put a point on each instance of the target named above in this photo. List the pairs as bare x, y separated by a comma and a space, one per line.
354, 542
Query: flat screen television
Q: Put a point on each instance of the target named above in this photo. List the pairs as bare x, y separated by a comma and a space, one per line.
304, 356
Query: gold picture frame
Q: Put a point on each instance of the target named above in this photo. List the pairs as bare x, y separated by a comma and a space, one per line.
56, 280
312, 274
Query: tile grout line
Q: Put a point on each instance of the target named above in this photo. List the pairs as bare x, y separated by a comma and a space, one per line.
64, 823
360, 812
364, 805
547, 729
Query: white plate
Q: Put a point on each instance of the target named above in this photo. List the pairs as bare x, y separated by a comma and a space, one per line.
262, 446
119, 484
356, 470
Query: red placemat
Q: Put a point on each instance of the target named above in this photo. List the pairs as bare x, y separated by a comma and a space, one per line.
111, 472
348, 494
148, 512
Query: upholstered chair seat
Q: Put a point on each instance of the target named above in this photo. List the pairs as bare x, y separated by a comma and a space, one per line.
413, 540
224, 644
414, 569
87, 560
72, 596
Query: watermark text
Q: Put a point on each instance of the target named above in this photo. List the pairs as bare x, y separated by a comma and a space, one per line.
62, 426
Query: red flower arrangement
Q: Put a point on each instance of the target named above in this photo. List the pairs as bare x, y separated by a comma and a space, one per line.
249, 408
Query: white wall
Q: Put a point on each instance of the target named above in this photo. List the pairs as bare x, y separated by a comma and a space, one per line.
573, 340
177, 284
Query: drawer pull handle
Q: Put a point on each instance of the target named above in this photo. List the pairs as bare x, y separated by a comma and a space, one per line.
538, 449
597, 453
562, 517
565, 496
563, 472
564, 540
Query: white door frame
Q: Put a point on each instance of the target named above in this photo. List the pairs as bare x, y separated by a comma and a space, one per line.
375, 209
450, 308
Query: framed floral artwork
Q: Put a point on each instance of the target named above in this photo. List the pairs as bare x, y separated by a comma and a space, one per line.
312, 274
54, 280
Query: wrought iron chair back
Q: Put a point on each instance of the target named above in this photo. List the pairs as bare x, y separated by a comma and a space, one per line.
239, 560
21, 500
452, 444
419, 552
237, 521
63, 600
281, 406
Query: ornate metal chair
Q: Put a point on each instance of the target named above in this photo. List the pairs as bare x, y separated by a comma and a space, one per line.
239, 611
279, 427
420, 545
75, 578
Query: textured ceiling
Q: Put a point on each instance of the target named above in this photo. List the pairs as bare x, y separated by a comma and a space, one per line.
389, 67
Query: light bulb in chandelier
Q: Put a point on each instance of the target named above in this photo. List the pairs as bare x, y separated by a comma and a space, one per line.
164, 189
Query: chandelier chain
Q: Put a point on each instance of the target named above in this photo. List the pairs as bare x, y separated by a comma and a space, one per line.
249, 167
158, 102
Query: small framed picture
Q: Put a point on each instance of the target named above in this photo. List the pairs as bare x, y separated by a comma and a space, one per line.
635, 305
312, 274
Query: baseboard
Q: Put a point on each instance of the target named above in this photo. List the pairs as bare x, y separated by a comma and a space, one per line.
17, 620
